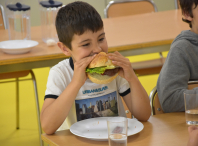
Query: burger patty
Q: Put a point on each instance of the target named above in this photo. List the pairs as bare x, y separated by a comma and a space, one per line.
111, 72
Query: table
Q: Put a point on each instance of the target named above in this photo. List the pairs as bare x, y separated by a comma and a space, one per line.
130, 35
167, 129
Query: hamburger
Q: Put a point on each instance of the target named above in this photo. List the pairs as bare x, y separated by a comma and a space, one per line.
101, 70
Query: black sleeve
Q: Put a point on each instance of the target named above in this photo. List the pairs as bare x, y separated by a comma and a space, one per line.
125, 93
51, 96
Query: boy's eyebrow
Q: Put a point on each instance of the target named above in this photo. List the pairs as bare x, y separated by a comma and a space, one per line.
84, 41
101, 34
89, 39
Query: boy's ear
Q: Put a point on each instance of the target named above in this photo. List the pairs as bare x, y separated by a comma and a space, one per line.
64, 48
187, 17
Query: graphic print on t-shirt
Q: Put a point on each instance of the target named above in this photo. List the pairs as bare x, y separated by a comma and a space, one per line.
102, 106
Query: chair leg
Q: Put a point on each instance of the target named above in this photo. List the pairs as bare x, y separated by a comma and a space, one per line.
17, 103
37, 106
160, 53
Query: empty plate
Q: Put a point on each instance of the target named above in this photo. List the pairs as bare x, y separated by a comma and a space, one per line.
96, 128
17, 46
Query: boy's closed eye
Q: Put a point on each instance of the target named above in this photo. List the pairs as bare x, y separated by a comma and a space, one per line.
101, 39
85, 45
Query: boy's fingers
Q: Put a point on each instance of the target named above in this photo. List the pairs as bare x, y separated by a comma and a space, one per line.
86, 61
191, 128
121, 64
114, 54
121, 60
90, 58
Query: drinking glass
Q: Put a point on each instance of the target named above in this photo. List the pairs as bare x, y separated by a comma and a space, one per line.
117, 131
191, 107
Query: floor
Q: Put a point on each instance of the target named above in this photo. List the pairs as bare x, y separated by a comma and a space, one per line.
28, 132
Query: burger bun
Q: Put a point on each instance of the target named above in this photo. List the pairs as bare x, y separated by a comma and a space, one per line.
101, 60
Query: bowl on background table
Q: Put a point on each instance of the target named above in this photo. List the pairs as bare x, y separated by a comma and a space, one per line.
17, 46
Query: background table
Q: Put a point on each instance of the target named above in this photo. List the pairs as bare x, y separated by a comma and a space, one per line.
130, 35
168, 129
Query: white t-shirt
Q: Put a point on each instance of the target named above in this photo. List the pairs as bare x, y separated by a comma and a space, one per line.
92, 100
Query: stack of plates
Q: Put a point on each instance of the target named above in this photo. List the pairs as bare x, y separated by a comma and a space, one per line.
17, 46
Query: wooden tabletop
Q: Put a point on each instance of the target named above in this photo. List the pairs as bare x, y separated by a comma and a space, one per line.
168, 129
130, 35
145, 30
37, 53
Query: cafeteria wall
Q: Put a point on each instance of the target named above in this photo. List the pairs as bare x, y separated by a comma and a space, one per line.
162, 5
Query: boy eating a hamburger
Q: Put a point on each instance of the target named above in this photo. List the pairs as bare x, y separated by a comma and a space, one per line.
70, 95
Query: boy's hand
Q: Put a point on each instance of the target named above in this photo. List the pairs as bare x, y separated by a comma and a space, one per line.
193, 136
80, 66
126, 70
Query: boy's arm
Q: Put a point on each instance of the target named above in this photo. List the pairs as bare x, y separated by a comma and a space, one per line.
173, 80
193, 136
54, 111
137, 101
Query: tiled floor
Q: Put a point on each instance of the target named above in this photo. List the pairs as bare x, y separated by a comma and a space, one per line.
28, 135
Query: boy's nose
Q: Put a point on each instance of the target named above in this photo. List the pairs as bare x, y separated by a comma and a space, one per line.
97, 49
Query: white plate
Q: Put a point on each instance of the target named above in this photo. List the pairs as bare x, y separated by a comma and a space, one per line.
17, 46
96, 128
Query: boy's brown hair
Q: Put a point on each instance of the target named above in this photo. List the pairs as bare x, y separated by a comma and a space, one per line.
76, 18
187, 6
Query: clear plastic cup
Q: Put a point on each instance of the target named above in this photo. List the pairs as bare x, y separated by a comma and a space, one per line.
117, 131
191, 107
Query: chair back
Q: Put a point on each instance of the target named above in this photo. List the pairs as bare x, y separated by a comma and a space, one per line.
154, 99
129, 7
192, 84
2, 18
